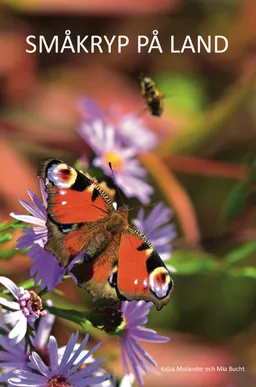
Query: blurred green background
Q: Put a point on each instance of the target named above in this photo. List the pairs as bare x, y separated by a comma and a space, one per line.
209, 151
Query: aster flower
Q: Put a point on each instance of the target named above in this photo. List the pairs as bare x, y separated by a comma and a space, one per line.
106, 383
11, 357
158, 229
135, 316
26, 310
90, 110
128, 172
130, 129
63, 372
135, 133
16, 357
45, 265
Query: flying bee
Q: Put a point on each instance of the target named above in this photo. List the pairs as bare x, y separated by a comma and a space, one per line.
152, 97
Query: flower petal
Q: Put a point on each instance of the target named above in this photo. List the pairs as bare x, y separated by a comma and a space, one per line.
12, 317
53, 352
10, 285
28, 219
10, 304
37, 204
69, 348
77, 353
31, 209
149, 335
44, 329
19, 331
127, 381
43, 193
39, 364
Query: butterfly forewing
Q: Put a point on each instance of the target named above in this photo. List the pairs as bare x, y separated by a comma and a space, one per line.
75, 205
72, 197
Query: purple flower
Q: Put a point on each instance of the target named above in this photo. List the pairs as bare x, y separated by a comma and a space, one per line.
11, 357
106, 383
130, 129
41, 338
158, 229
130, 176
135, 133
16, 357
45, 265
65, 371
26, 310
89, 110
135, 315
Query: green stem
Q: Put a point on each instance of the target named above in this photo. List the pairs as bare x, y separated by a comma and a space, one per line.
17, 224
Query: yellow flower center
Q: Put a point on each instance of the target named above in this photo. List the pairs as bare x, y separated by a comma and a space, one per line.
114, 159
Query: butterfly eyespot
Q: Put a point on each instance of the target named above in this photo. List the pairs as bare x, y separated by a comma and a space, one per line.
160, 282
61, 175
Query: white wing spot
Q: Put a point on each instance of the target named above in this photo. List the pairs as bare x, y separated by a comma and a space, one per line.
145, 283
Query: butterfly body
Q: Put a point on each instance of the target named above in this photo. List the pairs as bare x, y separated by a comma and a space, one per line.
117, 261
152, 97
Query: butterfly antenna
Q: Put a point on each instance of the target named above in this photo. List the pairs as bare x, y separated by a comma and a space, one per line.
114, 180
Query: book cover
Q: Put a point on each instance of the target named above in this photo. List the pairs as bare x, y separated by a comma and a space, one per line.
127, 197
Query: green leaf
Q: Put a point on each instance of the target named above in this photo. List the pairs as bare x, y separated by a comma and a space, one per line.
247, 272
235, 202
241, 253
189, 263
6, 237
196, 133
7, 254
46, 291
239, 195
183, 93
2, 225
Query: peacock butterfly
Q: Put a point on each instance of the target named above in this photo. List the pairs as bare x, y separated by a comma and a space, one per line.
119, 262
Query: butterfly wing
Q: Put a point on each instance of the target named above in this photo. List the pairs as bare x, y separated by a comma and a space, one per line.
142, 275
72, 197
98, 276
75, 205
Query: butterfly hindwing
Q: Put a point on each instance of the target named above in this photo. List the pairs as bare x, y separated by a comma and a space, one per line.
98, 276
142, 275
65, 243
